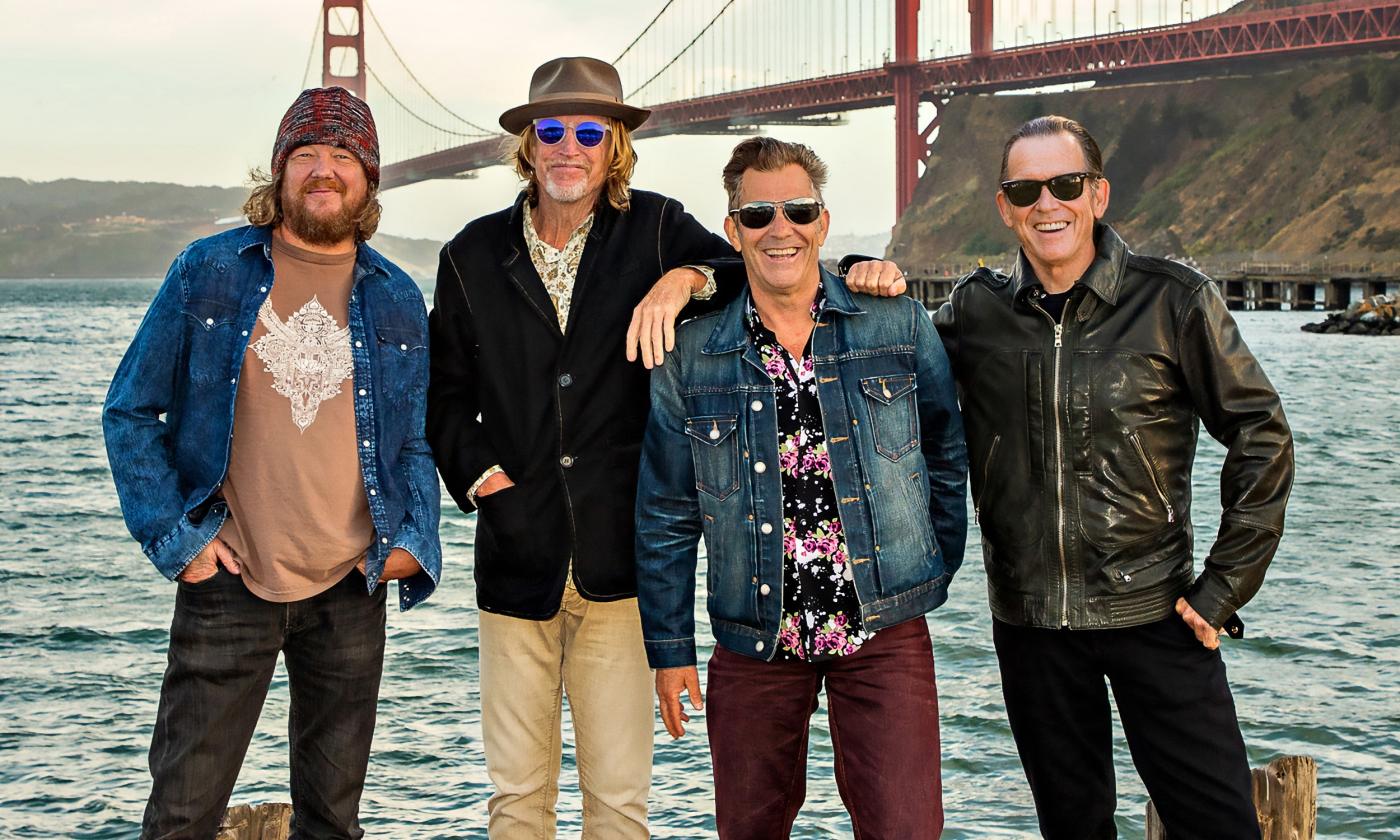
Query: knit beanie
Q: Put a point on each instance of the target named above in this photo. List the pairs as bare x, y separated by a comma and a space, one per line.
330, 116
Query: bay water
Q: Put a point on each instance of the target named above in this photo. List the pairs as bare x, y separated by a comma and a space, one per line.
85, 618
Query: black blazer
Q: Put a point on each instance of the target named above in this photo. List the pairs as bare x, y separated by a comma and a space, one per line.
562, 413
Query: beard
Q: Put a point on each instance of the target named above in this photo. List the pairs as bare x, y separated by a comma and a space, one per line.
325, 229
565, 193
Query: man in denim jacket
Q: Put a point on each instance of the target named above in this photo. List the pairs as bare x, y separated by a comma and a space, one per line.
265, 433
817, 446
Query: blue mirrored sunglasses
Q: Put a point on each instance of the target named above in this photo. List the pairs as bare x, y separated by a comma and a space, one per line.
551, 131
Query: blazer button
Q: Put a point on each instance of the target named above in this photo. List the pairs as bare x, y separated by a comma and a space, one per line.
765, 589
758, 646
566, 461
565, 380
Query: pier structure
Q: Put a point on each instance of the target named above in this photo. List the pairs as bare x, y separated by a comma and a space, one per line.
1308, 286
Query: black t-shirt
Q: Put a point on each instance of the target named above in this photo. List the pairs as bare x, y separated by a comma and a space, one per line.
1055, 303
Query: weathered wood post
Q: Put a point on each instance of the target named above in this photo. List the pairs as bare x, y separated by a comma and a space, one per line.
1285, 797
268, 821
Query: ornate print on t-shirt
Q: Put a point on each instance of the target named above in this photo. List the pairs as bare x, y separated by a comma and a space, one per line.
308, 357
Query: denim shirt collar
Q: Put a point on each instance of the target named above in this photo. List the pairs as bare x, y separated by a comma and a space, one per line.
731, 333
1103, 277
367, 260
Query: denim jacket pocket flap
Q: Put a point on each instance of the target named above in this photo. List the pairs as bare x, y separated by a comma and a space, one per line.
402, 339
711, 430
209, 313
887, 389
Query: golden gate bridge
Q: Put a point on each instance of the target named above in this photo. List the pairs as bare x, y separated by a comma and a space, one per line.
731, 66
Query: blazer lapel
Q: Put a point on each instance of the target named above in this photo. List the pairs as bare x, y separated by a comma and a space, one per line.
521, 271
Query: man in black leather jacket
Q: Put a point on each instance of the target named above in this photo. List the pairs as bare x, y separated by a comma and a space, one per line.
1084, 374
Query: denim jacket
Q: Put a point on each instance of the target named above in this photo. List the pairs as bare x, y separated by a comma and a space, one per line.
709, 465
168, 418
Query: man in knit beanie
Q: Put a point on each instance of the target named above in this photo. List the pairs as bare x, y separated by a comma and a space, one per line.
265, 436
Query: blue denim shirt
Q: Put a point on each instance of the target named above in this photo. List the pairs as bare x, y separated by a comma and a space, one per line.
710, 466
168, 418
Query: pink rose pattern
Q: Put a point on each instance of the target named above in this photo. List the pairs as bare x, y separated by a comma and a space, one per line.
821, 612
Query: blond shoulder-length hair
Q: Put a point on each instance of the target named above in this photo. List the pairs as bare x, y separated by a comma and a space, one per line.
264, 205
622, 160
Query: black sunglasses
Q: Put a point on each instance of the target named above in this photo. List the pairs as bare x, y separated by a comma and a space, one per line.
757, 215
1065, 187
588, 134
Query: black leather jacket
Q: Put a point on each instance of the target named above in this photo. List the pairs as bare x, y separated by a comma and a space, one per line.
1082, 437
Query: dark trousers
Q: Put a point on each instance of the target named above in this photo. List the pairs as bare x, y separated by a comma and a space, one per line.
883, 710
1177, 714
224, 643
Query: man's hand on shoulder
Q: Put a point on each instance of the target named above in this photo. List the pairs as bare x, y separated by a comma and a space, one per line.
880, 278
652, 333
670, 682
207, 562
1205, 634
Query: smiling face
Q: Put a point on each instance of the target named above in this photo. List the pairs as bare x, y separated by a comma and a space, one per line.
324, 191
782, 258
567, 171
1056, 236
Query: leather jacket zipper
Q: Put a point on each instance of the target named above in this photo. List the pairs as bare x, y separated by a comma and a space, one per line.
1059, 461
986, 474
1151, 473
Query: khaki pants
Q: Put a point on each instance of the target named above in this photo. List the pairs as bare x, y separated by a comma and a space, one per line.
593, 651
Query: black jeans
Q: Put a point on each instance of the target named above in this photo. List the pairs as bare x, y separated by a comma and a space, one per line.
1177, 714
224, 642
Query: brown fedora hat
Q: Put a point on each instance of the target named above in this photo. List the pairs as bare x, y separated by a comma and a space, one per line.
574, 85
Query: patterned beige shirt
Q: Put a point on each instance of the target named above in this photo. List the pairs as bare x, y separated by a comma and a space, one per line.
557, 268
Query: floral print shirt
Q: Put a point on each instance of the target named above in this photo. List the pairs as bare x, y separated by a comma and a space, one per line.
557, 267
821, 613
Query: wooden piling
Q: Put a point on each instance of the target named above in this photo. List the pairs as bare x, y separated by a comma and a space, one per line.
1285, 798
267, 821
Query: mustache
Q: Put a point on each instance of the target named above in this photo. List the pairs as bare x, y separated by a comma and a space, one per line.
322, 184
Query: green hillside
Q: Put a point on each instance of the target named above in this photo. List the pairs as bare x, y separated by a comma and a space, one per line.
1294, 161
72, 228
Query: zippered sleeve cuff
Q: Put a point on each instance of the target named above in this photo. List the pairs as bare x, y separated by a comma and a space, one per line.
670, 653
177, 549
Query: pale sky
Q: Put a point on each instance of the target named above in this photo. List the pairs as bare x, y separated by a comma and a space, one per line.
191, 93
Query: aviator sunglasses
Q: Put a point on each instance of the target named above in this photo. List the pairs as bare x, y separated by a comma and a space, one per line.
588, 134
757, 215
1065, 187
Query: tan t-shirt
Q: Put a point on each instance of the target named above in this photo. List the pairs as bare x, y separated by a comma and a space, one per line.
299, 519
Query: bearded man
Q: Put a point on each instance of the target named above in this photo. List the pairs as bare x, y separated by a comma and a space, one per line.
265, 433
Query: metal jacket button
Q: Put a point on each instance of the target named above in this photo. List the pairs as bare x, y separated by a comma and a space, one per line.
759, 467
756, 405
565, 380
764, 589
758, 646
766, 527
566, 461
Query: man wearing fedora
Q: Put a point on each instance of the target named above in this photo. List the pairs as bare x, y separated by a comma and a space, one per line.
536, 419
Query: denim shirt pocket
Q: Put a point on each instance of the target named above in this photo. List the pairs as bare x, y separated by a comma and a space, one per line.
893, 412
213, 326
401, 349
715, 448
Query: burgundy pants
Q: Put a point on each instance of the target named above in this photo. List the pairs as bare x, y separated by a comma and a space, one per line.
883, 710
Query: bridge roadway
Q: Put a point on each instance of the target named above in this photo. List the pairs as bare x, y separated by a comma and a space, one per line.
1324, 28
